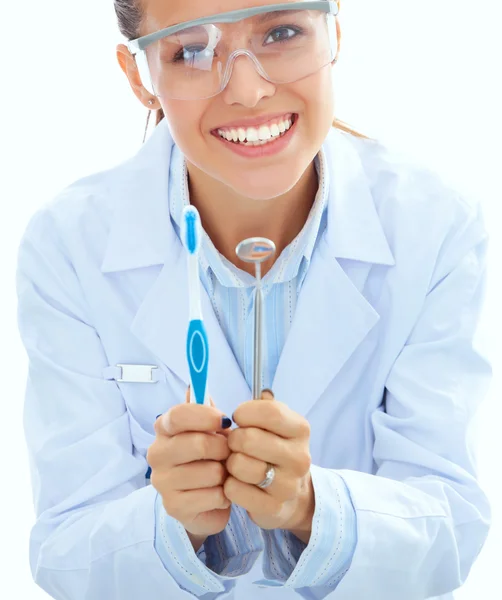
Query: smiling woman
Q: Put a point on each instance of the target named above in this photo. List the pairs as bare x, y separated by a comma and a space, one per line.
353, 471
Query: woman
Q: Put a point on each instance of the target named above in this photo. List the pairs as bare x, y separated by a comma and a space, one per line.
371, 308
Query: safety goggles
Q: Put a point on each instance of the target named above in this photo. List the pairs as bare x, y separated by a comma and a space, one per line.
193, 60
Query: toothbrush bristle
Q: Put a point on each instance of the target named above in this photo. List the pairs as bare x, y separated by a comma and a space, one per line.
191, 218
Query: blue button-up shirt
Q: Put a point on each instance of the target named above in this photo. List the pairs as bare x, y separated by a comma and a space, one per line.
231, 291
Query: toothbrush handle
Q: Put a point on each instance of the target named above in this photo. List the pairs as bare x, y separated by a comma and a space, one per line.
198, 359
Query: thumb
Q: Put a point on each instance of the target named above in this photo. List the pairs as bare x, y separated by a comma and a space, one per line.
224, 432
267, 395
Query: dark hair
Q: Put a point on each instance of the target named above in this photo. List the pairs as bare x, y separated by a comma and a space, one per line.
130, 14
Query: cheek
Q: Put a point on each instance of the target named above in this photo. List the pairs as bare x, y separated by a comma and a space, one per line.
184, 119
317, 95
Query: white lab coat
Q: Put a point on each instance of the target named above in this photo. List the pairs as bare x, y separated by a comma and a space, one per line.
380, 359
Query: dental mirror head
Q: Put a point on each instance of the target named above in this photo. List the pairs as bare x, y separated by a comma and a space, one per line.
255, 250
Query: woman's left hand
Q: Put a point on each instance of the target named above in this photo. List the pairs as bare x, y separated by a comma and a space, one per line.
269, 431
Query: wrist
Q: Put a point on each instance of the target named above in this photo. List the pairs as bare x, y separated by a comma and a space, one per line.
196, 540
301, 526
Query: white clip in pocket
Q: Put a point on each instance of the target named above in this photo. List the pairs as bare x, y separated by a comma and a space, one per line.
134, 373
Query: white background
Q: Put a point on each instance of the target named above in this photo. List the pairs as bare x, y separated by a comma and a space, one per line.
422, 76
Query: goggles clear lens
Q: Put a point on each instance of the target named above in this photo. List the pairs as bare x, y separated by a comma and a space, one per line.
196, 62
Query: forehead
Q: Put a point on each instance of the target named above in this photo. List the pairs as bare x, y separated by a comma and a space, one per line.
163, 13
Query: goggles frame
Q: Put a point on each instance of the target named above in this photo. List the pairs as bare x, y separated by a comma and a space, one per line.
137, 47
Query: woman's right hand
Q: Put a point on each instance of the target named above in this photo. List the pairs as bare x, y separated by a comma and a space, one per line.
187, 461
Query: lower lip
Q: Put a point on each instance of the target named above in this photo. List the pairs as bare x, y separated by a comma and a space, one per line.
269, 149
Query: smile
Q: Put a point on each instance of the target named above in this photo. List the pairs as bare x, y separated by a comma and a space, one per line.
258, 136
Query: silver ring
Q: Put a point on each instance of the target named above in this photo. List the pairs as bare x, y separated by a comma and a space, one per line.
269, 477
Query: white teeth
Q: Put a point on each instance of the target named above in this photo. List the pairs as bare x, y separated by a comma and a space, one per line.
252, 135
264, 133
274, 130
256, 137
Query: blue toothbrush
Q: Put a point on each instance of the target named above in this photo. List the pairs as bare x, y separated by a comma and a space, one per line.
197, 347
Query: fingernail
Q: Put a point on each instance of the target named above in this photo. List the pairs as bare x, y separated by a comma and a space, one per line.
226, 422
159, 415
267, 391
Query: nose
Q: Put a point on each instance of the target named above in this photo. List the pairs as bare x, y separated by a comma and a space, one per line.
245, 85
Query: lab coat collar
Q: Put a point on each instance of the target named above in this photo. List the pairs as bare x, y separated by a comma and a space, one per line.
332, 316
141, 234
354, 229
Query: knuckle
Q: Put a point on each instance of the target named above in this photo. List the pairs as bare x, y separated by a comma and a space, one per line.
230, 463
220, 496
176, 417
155, 480
305, 462
228, 487
235, 462
222, 447
250, 438
233, 440
239, 460
217, 472
152, 454
201, 445
275, 415
304, 428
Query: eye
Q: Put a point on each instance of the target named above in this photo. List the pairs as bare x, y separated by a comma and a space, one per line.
191, 54
282, 34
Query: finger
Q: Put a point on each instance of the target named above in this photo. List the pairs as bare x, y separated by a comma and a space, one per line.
250, 497
190, 417
275, 417
249, 470
193, 446
267, 395
187, 447
186, 505
252, 471
262, 445
197, 475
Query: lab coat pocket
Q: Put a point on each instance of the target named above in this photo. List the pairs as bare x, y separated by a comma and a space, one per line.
141, 438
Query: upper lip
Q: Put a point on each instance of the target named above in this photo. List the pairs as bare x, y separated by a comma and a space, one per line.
252, 121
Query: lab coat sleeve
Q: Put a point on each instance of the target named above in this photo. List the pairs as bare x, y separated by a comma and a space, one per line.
325, 559
230, 553
422, 519
95, 518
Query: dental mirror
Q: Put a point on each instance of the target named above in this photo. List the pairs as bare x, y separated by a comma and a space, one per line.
257, 250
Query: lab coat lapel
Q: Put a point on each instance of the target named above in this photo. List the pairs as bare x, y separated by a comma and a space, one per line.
142, 236
333, 317
161, 323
